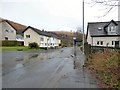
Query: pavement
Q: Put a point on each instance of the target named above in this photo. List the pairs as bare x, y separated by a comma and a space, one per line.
60, 68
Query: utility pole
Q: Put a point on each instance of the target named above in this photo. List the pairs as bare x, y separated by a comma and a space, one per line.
83, 28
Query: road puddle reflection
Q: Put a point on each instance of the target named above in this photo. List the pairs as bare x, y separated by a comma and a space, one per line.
30, 58
16, 60
19, 65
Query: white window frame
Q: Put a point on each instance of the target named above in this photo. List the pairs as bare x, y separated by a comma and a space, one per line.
113, 29
101, 43
113, 42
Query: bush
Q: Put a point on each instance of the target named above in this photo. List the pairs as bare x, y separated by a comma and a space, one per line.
33, 45
11, 43
106, 66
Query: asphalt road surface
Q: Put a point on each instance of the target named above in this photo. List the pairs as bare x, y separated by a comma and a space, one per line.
60, 68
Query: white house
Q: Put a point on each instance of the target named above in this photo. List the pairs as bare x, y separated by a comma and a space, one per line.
11, 30
104, 33
53, 41
42, 38
7, 31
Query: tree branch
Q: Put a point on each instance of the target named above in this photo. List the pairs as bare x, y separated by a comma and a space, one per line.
107, 4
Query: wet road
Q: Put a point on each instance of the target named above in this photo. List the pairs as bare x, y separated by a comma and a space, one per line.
60, 68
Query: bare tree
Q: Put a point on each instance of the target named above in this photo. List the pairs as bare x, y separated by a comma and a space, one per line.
107, 5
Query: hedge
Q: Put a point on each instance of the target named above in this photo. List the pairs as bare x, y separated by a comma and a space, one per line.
12, 43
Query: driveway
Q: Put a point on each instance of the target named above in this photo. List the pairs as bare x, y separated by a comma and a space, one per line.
60, 68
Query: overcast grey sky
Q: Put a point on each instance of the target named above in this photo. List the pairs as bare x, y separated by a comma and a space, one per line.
53, 14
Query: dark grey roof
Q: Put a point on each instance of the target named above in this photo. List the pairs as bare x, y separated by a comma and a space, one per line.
42, 32
93, 28
118, 27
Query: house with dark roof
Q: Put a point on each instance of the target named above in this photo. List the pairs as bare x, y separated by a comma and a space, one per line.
11, 30
105, 34
42, 38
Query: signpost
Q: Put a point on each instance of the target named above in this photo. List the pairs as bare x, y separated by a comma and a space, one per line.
74, 41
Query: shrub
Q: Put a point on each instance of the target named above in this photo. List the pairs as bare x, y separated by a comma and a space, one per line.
33, 45
106, 67
11, 43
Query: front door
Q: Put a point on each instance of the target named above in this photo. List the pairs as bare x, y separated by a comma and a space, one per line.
117, 44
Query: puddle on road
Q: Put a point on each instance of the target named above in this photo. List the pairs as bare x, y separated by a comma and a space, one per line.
19, 65
61, 50
19, 59
30, 58
33, 56
24, 59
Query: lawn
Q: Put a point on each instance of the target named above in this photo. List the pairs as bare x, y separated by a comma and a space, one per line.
18, 48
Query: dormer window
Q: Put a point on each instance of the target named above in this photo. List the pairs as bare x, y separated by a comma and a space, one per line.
112, 29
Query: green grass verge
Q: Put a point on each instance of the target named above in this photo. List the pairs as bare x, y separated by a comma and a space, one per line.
18, 48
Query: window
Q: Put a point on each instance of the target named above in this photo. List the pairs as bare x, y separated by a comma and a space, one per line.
48, 39
99, 42
109, 29
45, 44
112, 29
117, 44
6, 30
112, 42
42, 39
27, 36
12, 31
6, 38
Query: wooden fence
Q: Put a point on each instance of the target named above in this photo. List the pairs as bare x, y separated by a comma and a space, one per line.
102, 49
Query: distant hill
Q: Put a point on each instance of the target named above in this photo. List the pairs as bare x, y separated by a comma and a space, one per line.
67, 37
65, 33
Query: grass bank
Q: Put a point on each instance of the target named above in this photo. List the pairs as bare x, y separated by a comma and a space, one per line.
106, 68
18, 48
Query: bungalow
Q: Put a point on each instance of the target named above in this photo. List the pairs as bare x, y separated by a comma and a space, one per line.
104, 33
11, 30
42, 38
